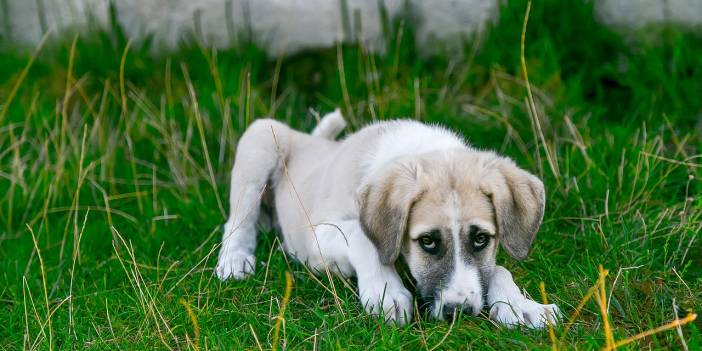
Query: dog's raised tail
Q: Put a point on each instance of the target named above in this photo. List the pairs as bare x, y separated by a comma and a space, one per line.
331, 125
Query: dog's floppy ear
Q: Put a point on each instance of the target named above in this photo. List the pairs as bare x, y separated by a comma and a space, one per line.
519, 199
385, 201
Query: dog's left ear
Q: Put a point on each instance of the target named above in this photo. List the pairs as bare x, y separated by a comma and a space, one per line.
519, 198
385, 202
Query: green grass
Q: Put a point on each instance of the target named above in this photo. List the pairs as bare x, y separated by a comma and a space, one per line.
110, 177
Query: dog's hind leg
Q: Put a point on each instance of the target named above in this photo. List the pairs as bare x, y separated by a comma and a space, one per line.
259, 158
331, 125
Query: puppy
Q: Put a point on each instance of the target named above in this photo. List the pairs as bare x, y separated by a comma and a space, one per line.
392, 190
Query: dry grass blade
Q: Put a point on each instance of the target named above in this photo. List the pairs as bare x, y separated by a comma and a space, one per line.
674, 324
281, 314
578, 309
46, 293
193, 320
122, 90
69, 80
551, 333
678, 328
253, 332
21, 78
201, 131
443, 339
143, 293
342, 80
76, 253
601, 298
531, 107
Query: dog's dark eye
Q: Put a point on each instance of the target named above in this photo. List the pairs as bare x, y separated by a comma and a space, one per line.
480, 240
429, 244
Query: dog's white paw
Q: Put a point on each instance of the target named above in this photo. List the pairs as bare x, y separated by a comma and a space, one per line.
524, 312
235, 264
394, 302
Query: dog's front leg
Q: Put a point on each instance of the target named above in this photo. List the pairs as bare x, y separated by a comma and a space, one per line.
510, 308
379, 286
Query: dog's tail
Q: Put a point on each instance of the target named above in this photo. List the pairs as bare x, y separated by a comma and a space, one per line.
330, 126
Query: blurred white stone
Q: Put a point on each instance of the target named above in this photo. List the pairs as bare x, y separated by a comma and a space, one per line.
26, 21
636, 14
281, 26
288, 26
451, 21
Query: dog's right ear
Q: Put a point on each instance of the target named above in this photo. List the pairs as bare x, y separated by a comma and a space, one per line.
519, 199
385, 200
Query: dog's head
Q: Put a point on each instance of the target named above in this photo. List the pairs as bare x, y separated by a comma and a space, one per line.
446, 212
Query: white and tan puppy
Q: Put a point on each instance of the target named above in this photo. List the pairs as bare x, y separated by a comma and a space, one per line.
392, 190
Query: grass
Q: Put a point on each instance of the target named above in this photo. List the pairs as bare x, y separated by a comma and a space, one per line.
114, 168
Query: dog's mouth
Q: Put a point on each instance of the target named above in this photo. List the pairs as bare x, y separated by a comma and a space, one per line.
447, 310
433, 306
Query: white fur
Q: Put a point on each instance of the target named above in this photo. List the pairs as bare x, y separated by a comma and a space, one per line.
409, 138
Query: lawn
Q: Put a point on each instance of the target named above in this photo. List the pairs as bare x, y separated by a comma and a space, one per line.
114, 167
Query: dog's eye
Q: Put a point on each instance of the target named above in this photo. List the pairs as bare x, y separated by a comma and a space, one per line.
429, 244
480, 240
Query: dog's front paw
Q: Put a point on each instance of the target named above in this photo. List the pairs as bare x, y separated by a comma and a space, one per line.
235, 264
393, 302
524, 312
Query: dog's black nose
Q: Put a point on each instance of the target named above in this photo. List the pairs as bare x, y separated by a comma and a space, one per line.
448, 314
450, 310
